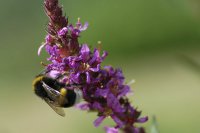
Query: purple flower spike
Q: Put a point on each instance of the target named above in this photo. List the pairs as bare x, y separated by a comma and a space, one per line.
75, 65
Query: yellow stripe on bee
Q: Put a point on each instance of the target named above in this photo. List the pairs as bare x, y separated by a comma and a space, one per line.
37, 79
63, 92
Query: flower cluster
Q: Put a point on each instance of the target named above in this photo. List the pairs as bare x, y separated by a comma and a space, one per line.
103, 88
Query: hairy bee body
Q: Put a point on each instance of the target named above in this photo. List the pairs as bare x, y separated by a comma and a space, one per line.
55, 94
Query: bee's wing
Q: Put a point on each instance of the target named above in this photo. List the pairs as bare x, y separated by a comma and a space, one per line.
52, 93
58, 110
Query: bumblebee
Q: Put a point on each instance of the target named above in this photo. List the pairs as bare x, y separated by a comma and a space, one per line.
55, 93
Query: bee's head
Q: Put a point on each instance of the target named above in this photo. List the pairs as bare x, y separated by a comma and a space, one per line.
37, 86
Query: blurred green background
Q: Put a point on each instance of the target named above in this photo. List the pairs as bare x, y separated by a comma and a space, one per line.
155, 42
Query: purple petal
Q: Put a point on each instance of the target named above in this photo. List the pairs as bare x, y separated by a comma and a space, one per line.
101, 92
95, 69
97, 106
72, 61
75, 32
48, 39
96, 53
48, 48
52, 50
142, 120
105, 54
75, 77
63, 31
111, 83
71, 27
139, 130
113, 102
117, 121
40, 49
54, 74
132, 110
99, 120
124, 91
108, 67
135, 130
110, 70
120, 75
88, 77
96, 57
85, 51
111, 130
82, 106
84, 27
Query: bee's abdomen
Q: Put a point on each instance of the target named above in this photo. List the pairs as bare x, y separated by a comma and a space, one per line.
71, 98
